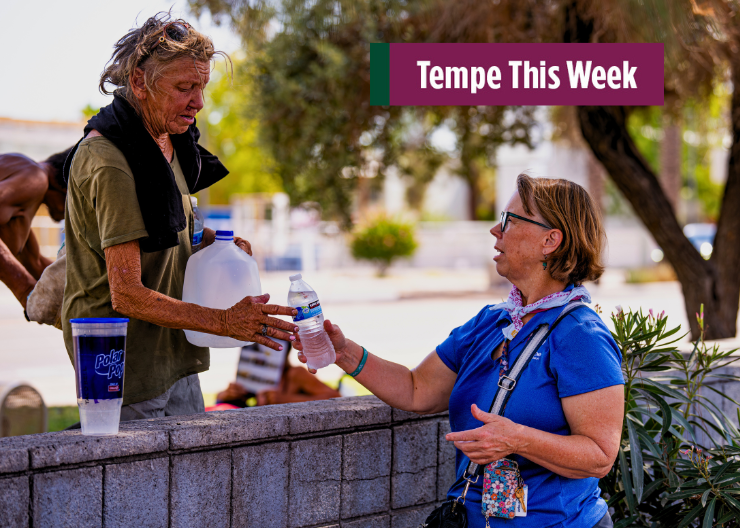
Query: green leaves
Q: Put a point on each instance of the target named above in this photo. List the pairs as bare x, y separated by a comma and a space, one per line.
383, 240
636, 461
663, 477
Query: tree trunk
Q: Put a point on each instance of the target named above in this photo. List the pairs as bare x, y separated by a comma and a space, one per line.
670, 160
726, 253
604, 129
596, 180
714, 283
468, 169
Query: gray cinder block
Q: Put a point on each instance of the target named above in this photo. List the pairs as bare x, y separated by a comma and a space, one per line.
14, 499
410, 489
12, 460
314, 486
260, 485
414, 478
366, 473
367, 455
137, 494
414, 447
445, 462
217, 428
72, 447
68, 499
384, 521
411, 518
201, 490
338, 413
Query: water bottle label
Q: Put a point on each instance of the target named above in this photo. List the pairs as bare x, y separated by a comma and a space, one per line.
100, 365
307, 312
197, 237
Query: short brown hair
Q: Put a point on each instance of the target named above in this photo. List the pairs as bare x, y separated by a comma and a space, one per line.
143, 48
567, 206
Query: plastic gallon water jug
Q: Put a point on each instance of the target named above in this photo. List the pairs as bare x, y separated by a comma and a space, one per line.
219, 276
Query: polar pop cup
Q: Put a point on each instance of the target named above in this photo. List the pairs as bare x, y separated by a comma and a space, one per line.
100, 357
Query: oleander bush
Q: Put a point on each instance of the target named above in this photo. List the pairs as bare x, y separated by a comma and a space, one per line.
679, 458
383, 240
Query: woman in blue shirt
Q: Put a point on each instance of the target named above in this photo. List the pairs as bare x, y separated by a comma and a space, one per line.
562, 424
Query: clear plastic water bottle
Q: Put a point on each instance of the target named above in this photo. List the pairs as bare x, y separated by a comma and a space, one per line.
317, 346
198, 225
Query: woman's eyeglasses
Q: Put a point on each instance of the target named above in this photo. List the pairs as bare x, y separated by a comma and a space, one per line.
175, 31
505, 215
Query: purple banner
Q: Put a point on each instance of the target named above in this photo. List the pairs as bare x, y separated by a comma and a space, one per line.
526, 74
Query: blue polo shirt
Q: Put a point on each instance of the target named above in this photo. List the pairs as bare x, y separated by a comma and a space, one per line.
579, 356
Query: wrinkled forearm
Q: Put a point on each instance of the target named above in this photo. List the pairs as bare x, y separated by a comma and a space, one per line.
14, 275
153, 307
131, 298
572, 456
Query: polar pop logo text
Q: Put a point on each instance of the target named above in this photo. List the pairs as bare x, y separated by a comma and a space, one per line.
109, 365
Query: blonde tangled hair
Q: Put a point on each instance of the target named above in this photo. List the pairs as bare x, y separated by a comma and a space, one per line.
567, 206
143, 48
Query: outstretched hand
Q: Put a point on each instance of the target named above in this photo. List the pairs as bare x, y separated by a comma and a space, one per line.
495, 439
337, 340
245, 320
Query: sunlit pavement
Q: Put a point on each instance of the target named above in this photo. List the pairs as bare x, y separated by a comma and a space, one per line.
401, 318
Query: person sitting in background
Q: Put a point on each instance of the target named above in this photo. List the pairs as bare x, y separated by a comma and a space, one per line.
24, 186
296, 385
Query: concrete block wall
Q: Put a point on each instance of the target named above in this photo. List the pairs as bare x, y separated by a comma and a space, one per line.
342, 463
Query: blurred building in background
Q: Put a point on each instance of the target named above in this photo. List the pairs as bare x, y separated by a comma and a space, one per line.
289, 236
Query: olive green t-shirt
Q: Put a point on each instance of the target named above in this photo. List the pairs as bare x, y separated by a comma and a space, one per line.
102, 211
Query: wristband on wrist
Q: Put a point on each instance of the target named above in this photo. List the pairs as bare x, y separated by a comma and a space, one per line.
362, 363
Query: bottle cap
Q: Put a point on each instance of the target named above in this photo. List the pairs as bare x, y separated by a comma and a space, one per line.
194, 201
295, 277
224, 235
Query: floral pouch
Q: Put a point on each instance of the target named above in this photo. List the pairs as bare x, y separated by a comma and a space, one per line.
504, 492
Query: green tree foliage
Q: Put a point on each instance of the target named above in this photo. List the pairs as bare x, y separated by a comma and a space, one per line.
382, 241
232, 131
313, 78
88, 111
679, 456
313, 92
704, 125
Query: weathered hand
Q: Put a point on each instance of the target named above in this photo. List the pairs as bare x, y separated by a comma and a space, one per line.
244, 245
244, 321
495, 439
337, 339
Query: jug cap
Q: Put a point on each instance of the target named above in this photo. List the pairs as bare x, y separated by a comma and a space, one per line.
295, 277
224, 235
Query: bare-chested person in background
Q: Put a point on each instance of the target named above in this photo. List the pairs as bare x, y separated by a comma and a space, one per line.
24, 186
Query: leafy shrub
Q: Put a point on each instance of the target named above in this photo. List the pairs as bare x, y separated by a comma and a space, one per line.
382, 241
663, 476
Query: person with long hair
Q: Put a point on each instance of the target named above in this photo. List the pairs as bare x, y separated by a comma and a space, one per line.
129, 222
